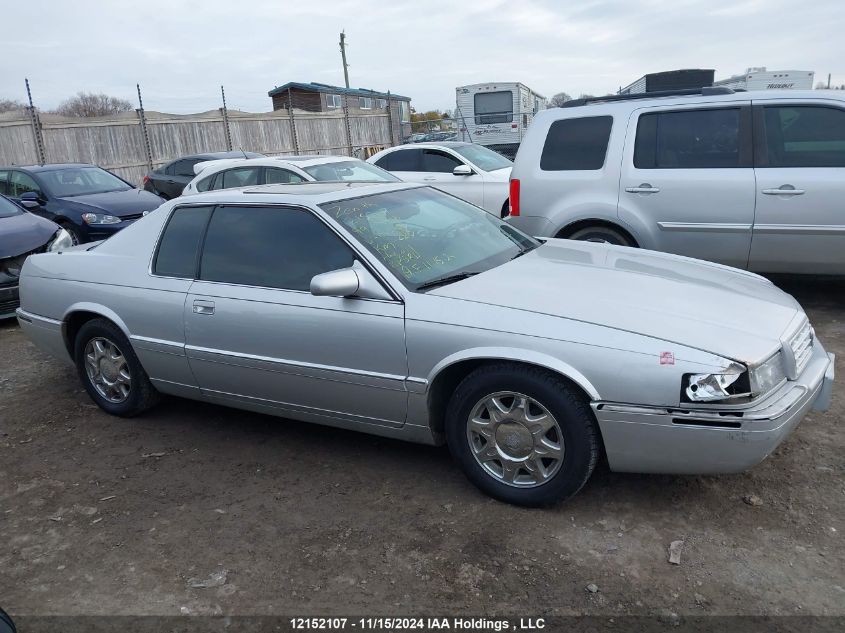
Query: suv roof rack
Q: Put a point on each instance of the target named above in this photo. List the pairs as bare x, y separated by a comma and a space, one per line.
704, 91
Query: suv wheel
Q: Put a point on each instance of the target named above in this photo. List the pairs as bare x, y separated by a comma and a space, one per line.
522, 434
601, 234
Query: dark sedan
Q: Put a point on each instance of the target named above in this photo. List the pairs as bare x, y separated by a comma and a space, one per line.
87, 201
21, 235
169, 180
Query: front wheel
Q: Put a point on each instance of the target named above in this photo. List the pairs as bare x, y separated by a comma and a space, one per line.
522, 434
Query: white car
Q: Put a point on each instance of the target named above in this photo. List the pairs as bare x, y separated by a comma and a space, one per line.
466, 170
231, 173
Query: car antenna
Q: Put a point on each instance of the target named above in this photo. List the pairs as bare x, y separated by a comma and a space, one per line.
243, 152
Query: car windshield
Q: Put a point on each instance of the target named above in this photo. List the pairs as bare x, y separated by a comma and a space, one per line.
8, 208
485, 158
350, 171
81, 181
423, 235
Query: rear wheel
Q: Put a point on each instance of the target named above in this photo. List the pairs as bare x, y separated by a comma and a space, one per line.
599, 233
522, 434
110, 370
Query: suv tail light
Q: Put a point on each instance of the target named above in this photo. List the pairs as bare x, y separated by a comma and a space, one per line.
514, 196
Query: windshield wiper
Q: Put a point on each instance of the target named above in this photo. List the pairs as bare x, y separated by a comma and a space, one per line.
440, 281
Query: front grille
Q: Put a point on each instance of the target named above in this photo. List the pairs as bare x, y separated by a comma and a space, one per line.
131, 216
8, 306
801, 345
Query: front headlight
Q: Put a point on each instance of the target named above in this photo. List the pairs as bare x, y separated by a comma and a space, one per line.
100, 218
731, 383
61, 240
768, 375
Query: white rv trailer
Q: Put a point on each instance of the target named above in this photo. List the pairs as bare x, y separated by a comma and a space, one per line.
762, 79
496, 115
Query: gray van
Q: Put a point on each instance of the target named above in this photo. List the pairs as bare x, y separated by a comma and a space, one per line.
753, 180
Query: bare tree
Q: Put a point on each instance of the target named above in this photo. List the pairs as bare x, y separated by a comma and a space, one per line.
559, 99
10, 105
88, 104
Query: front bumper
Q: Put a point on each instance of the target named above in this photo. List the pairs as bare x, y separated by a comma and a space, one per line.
708, 441
9, 301
96, 232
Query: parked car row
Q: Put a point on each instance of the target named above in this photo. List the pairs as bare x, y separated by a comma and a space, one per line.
431, 137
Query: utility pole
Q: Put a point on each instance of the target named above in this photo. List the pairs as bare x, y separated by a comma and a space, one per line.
35, 122
343, 56
828, 81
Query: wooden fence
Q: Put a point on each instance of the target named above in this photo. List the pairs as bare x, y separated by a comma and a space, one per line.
117, 142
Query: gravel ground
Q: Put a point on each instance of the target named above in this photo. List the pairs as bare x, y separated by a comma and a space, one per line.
100, 515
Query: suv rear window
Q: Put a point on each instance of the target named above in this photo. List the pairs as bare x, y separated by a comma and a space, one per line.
688, 139
576, 144
805, 136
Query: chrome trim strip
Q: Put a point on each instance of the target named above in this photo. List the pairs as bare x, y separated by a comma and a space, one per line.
296, 364
30, 317
801, 229
705, 227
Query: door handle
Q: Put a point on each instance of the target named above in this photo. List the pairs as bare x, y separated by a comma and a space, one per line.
429, 179
203, 307
784, 190
643, 188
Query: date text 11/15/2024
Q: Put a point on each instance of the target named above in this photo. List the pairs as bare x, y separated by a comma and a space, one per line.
416, 624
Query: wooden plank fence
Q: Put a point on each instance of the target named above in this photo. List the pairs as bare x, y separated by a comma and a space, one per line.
116, 142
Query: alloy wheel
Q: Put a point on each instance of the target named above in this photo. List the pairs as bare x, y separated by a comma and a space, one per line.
107, 370
515, 439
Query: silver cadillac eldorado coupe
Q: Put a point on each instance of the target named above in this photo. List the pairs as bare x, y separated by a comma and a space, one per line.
402, 311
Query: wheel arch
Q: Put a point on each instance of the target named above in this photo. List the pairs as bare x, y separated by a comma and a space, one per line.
577, 225
79, 314
448, 374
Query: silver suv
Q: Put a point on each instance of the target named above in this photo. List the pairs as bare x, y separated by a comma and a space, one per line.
754, 180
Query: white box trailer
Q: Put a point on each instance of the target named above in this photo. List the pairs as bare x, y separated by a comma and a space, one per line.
496, 115
762, 79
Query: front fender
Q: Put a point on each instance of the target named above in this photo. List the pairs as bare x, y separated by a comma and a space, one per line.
518, 355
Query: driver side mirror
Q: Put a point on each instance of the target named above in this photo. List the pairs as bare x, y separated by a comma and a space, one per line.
30, 200
355, 281
462, 170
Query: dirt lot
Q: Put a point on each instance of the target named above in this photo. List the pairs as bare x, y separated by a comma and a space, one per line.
100, 515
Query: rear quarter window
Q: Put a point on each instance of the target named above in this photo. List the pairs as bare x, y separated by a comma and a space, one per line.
178, 249
576, 144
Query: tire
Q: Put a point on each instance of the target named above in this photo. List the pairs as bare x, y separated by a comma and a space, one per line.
113, 393
6, 624
600, 233
575, 432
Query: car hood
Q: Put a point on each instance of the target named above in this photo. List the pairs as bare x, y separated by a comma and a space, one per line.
721, 310
119, 203
24, 233
502, 175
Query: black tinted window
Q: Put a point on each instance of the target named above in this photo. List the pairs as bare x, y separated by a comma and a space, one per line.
805, 136
274, 175
574, 144
184, 167
692, 139
270, 247
4, 183
404, 160
240, 177
437, 161
179, 246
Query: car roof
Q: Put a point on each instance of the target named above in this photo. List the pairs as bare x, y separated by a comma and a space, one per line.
617, 103
217, 165
448, 144
213, 155
304, 193
48, 166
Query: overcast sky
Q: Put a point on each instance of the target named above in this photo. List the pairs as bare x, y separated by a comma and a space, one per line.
182, 51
